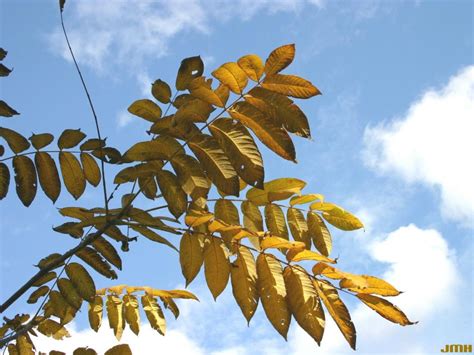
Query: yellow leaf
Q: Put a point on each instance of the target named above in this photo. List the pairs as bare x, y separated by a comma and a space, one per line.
172, 192
114, 307
237, 143
304, 303
274, 137
298, 226
70, 138
368, 285
231, 75
225, 211
132, 173
275, 190
280, 108
121, 349
161, 91
170, 126
328, 271
325, 206
148, 233
216, 266
189, 69
25, 179
45, 279
108, 251
25, 345
91, 169
195, 218
145, 109
252, 65
48, 175
216, 163
161, 148
337, 309
191, 176
41, 140
272, 292
57, 306
244, 282
276, 242
279, 59
275, 221
131, 313
69, 292
73, 176
35, 295
222, 92
82, 281
92, 144
95, 313
190, 256
4, 180
195, 110
290, 85
385, 309
53, 329
91, 257
6, 110
343, 220
311, 255
201, 89
300, 200
154, 314
15, 141
319, 233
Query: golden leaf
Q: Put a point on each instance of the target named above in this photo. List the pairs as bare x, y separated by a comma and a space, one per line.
300, 200
45, 279
311, 255
145, 109
337, 309
148, 187
189, 69
161, 148
53, 329
82, 281
279, 59
95, 313
275, 190
148, 233
280, 243
342, 219
272, 292
91, 169
298, 226
161, 91
108, 251
6, 110
25, 179
216, 266
243, 275
191, 176
385, 309
252, 65
171, 305
319, 233
92, 144
274, 137
222, 92
69, 292
231, 75
281, 109
121, 349
194, 110
304, 303
48, 175
201, 89
41, 140
190, 256
172, 192
57, 306
132, 173
114, 308
15, 141
70, 138
131, 313
275, 220
215, 163
91, 257
35, 295
25, 345
73, 176
237, 143
154, 313
290, 85
4, 180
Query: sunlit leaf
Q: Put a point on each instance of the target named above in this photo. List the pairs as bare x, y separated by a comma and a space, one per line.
300, 200
231, 75
25, 179
275, 190
161, 148
95, 313
69, 292
191, 176
145, 109
38, 293
48, 175
53, 329
298, 226
131, 312
114, 307
201, 89
385, 309
272, 292
216, 266
279, 59
172, 192
91, 257
82, 281
154, 314
290, 85
108, 251
319, 233
343, 220
252, 65
148, 233
161, 91
275, 221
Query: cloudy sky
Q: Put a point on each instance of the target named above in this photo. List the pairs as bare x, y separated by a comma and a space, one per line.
392, 143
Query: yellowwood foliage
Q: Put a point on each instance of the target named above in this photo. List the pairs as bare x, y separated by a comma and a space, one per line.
205, 139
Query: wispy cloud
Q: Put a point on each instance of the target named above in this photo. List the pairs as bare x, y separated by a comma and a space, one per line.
432, 144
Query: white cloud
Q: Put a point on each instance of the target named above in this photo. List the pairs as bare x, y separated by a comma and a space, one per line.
123, 119
118, 32
433, 144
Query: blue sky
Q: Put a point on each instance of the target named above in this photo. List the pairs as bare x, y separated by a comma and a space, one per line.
392, 143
